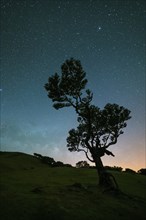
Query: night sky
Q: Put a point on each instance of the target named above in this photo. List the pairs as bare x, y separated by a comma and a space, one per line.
107, 36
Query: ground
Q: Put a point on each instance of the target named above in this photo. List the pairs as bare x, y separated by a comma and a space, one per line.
32, 190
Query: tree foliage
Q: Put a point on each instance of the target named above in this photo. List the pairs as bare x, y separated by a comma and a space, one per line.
128, 170
142, 171
67, 88
97, 129
82, 164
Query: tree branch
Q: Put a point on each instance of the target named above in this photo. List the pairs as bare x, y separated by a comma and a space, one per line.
111, 143
109, 153
106, 140
86, 152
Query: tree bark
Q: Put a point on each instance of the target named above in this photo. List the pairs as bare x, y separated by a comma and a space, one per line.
100, 170
106, 180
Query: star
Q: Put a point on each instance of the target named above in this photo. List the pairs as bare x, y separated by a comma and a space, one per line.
99, 28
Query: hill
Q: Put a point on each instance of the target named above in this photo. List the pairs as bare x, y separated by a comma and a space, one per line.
31, 190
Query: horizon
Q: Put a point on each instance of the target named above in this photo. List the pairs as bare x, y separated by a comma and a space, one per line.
74, 165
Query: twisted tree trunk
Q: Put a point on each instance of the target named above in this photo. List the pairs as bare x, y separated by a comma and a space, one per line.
106, 180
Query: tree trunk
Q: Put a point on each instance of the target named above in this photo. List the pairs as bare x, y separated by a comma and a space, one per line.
106, 180
100, 169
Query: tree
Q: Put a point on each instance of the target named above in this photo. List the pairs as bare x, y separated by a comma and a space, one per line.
114, 168
142, 171
58, 164
97, 129
48, 160
128, 170
82, 164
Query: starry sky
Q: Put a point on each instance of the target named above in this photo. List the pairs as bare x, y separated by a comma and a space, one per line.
107, 36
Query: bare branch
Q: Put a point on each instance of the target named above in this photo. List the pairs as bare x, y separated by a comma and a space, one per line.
109, 153
106, 140
86, 153
111, 143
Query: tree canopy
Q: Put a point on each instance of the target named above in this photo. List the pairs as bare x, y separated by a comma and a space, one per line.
97, 128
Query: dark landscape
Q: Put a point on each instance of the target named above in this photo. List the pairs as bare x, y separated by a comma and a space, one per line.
31, 189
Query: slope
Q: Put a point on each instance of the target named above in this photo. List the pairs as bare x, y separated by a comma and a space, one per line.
32, 190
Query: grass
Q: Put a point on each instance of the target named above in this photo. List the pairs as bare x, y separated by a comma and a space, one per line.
32, 190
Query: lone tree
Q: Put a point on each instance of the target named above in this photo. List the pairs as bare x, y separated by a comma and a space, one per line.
97, 129
82, 164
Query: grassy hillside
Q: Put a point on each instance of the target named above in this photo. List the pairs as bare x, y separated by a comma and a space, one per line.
32, 190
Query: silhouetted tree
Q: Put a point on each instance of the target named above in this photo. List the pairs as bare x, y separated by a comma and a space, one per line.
142, 171
128, 170
38, 155
58, 164
67, 165
48, 160
97, 129
114, 168
82, 164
